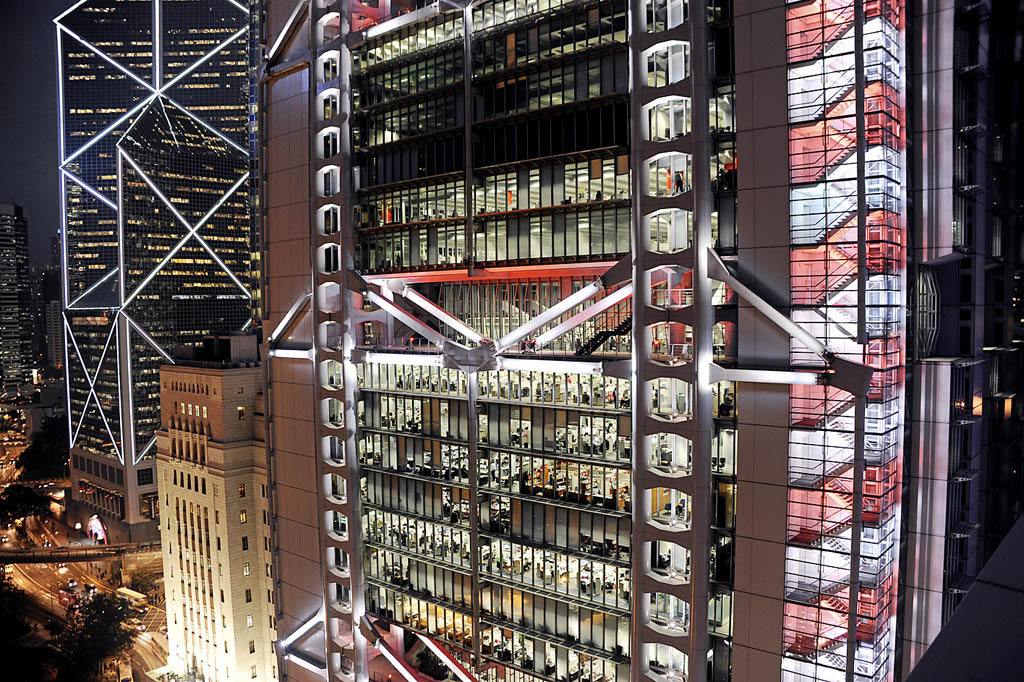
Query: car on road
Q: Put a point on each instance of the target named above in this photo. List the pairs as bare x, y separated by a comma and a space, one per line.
163, 629
47, 543
143, 609
72, 583
90, 588
137, 624
5, 539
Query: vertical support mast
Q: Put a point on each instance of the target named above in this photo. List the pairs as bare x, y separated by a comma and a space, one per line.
703, 322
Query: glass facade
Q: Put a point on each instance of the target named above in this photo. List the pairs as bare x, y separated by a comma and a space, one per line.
847, 288
157, 243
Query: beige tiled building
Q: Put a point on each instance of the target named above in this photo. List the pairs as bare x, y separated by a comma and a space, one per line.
214, 518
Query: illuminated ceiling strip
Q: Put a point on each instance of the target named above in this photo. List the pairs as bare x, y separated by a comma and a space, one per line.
103, 133
315, 620
191, 233
762, 376
113, 63
149, 339
248, 323
96, 193
95, 284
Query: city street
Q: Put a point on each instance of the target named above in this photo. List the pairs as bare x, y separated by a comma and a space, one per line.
41, 582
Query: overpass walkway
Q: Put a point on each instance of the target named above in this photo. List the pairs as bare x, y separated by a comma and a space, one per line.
73, 553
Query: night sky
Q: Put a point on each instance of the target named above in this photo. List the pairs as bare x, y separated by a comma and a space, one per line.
28, 115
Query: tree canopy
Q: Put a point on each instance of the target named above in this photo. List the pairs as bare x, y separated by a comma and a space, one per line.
47, 455
19, 501
95, 631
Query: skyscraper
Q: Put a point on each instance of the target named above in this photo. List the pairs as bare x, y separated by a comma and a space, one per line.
16, 319
215, 531
592, 333
157, 247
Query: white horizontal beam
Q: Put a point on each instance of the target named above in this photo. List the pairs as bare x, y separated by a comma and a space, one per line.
718, 373
542, 365
419, 359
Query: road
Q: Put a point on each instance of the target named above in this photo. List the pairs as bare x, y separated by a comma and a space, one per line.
41, 582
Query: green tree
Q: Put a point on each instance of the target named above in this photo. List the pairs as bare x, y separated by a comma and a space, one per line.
20, 660
143, 581
47, 455
95, 631
19, 501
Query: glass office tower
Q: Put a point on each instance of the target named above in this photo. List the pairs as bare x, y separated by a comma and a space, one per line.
593, 344
157, 249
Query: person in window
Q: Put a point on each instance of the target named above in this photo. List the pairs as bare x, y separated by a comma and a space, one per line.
677, 183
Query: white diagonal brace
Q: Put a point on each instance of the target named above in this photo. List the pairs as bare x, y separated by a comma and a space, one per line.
192, 231
552, 313
431, 308
93, 286
91, 190
113, 126
853, 377
123, 69
298, 306
297, 14
717, 270
446, 658
149, 339
579, 318
426, 332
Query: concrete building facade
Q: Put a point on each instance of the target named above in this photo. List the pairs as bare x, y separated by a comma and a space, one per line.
215, 525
